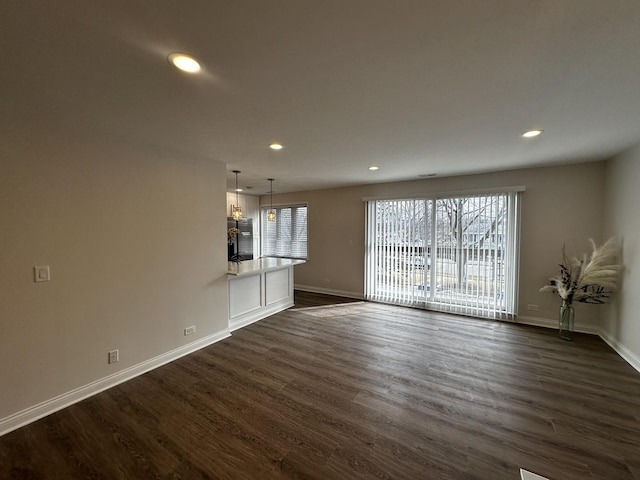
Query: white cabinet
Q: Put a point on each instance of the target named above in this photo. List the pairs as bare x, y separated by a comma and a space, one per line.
259, 288
245, 296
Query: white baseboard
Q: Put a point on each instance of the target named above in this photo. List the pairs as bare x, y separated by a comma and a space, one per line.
537, 321
55, 404
631, 358
553, 323
259, 314
48, 407
329, 291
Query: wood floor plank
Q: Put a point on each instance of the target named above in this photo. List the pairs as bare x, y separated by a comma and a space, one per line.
338, 388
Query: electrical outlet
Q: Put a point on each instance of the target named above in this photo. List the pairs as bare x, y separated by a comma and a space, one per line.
41, 274
114, 356
533, 308
190, 330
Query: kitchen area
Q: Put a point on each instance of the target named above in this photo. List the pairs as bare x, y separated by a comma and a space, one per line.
258, 286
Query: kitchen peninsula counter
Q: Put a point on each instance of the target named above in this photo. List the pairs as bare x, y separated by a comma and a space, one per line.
259, 288
263, 264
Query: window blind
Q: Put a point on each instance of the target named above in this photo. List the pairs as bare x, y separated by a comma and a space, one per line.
287, 235
456, 254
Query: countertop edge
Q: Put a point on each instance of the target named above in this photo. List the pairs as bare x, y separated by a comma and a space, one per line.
257, 266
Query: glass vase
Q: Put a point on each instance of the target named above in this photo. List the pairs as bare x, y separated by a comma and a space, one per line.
565, 321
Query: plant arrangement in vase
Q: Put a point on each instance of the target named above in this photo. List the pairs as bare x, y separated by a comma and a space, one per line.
588, 280
232, 233
232, 247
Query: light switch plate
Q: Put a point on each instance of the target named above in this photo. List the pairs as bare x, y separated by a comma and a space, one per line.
41, 273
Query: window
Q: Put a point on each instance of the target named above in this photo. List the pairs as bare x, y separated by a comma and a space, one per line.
456, 254
287, 236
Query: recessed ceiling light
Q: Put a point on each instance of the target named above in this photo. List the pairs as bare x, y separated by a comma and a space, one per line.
185, 62
532, 133
373, 168
276, 146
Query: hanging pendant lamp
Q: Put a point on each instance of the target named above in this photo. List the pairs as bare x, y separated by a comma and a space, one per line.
237, 210
271, 214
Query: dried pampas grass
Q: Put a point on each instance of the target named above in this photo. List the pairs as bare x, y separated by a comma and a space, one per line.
587, 280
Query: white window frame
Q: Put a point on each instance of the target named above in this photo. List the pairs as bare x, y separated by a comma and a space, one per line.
396, 292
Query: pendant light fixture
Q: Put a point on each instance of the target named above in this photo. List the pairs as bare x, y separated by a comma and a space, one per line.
271, 214
237, 210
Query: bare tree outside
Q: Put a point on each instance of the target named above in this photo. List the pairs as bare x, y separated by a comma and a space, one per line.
467, 228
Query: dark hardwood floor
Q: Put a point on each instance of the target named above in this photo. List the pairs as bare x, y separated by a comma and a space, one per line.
309, 299
354, 391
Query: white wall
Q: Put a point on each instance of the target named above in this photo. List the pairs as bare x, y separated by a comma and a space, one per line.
136, 241
621, 321
561, 205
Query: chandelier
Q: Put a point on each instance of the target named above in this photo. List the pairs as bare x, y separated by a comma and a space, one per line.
271, 214
236, 212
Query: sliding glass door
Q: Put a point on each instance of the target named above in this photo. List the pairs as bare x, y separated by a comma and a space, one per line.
456, 254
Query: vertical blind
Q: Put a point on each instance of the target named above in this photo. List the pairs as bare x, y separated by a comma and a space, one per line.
287, 235
456, 254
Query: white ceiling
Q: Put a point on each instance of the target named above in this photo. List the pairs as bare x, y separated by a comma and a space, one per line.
414, 87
